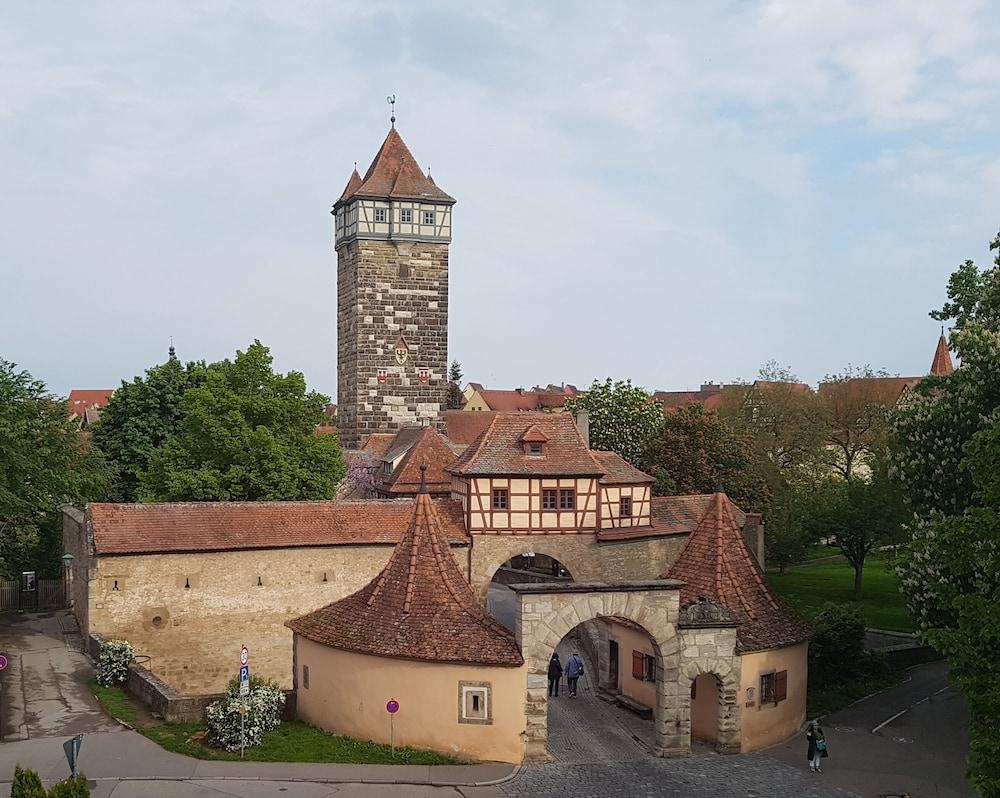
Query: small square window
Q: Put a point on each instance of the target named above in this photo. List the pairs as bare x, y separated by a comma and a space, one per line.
649, 668
500, 499
428, 217
535, 449
567, 499
305, 676
406, 216
550, 499
380, 215
625, 507
767, 684
474, 703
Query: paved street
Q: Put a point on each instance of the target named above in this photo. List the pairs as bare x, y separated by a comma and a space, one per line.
45, 690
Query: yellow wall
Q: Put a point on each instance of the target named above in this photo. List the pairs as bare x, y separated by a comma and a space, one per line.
476, 402
611, 506
770, 724
524, 511
630, 640
347, 694
705, 708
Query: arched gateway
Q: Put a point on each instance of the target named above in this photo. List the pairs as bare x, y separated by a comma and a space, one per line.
548, 612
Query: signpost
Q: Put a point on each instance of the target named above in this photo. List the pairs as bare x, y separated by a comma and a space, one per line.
72, 749
244, 692
392, 707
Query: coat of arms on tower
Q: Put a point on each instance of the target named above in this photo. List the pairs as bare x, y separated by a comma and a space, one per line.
402, 352
425, 375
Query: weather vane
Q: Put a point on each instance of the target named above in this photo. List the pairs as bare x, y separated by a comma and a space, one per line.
391, 99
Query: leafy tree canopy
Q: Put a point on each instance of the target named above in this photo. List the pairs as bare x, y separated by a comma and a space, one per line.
623, 417
43, 464
694, 449
246, 434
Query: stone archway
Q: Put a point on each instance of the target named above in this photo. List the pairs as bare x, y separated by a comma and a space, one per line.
548, 612
727, 673
490, 552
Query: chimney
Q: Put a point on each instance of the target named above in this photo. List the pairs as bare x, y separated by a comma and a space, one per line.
583, 424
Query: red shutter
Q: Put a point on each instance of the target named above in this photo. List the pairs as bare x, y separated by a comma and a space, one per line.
780, 686
638, 665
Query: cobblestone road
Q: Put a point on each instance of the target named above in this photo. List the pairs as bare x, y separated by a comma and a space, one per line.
700, 777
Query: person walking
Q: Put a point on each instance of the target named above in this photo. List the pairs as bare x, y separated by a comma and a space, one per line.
574, 670
555, 675
817, 746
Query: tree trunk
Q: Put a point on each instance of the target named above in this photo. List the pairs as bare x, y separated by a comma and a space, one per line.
859, 570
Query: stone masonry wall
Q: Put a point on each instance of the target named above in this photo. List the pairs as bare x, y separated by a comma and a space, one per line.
712, 651
386, 291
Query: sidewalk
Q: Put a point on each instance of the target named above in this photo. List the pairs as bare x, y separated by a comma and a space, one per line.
128, 755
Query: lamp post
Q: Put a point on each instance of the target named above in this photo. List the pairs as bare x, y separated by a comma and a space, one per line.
67, 559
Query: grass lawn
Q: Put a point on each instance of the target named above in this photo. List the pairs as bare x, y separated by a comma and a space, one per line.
293, 741
827, 700
808, 588
818, 551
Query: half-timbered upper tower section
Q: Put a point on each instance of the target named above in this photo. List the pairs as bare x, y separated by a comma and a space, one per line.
393, 228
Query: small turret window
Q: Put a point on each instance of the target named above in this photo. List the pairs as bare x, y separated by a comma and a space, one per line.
406, 215
428, 217
380, 215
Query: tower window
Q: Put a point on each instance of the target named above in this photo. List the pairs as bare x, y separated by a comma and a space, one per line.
428, 217
625, 507
406, 216
380, 215
500, 499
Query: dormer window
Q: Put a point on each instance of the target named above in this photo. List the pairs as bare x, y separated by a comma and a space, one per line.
386, 466
535, 449
534, 441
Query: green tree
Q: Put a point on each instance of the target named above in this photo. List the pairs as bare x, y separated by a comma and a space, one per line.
26, 784
140, 417
857, 516
623, 417
694, 449
455, 398
43, 464
854, 410
947, 450
246, 434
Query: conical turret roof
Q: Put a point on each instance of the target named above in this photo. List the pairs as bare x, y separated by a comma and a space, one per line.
942, 366
419, 607
716, 564
352, 186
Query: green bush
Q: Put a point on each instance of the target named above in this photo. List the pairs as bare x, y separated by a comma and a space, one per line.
227, 729
71, 788
837, 652
26, 784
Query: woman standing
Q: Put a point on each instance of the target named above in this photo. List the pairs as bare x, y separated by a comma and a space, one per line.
555, 675
817, 746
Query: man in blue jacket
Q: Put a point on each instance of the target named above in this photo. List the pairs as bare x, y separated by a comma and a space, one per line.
574, 670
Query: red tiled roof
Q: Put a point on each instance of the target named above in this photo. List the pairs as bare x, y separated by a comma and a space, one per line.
464, 426
618, 471
510, 401
942, 366
81, 398
534, 435
429, 449
325, 429
378, 443
234, 526
498, 450
419, 607
884, 390
394, 173
716, 564
352, 186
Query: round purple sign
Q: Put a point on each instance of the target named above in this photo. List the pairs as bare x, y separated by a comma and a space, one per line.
392, 706
3, 662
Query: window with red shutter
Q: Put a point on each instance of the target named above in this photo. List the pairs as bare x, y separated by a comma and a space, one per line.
780, 686
638, 665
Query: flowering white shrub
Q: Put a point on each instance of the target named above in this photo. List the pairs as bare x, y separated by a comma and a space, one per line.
226, 728
112, 666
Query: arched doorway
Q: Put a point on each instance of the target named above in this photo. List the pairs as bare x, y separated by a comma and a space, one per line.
705, 708
713, 690
529, 567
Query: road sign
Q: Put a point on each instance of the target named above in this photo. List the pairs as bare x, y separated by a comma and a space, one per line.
3, 661
392, 706
72, 749
244, 656
245, 681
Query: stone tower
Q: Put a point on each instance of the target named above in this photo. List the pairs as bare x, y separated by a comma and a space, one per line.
393, 227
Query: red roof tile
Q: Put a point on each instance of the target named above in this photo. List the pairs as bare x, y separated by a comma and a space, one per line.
942, 366
498, 450
419, 607
618, 471
394, 173
429, 449
234, 526
883, 390
352, 186
81, 398
716, 564
534, 435
378, 443
464, 426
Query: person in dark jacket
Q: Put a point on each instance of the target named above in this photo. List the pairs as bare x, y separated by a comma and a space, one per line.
817, 746
555, 675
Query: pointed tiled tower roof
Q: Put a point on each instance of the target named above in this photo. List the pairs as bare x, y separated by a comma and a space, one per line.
716, 564
352, 186
394, 173
420, 607
942, 366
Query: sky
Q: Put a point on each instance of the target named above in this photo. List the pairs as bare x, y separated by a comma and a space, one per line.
668, 192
